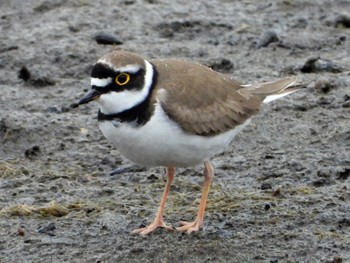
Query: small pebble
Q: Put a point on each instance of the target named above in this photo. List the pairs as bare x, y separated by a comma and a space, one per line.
73, 29
129, 2
324, 85
107, 39
24, 73
223, 65
89, 210
265, 186
337, 259
48, 229
52, 109
152, 178
324, 101
39, 82
343, 21
277, 192
266, 39
21, 231
296, 166
32, 152
314, 65
343, 174
321, 182
346, 104
345, 222
8, 48
301, 107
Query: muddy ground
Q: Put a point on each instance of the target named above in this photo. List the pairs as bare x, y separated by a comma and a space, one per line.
281, 191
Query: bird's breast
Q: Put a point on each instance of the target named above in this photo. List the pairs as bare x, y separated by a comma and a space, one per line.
161, 142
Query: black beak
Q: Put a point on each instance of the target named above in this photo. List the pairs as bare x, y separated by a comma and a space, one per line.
93, 95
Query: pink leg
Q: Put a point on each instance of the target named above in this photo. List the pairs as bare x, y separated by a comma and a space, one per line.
158, 220
194, 226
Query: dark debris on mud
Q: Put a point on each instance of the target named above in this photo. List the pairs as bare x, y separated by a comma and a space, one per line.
281, 191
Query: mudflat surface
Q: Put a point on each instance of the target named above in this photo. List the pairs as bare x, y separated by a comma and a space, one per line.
281, 191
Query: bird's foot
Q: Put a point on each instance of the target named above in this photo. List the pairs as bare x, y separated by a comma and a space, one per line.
152, 227
189, 227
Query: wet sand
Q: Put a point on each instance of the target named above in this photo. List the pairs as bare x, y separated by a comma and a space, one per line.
281, 191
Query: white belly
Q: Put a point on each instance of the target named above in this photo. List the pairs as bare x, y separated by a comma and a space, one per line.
160, 142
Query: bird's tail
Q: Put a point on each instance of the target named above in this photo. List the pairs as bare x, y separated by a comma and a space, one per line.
270, 91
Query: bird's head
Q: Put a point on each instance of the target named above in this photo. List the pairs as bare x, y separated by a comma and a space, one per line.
120, 80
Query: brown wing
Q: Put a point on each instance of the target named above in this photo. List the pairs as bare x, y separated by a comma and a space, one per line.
200, 100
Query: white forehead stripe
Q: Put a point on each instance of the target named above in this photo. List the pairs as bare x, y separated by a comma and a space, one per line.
128, 68
133, 68
100, 82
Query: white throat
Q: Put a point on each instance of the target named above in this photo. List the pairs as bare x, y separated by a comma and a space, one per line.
116, 102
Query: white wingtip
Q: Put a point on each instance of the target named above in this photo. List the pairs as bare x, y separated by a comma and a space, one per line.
273, 97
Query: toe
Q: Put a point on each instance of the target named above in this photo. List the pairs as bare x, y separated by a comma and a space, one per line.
188, 227
152, 227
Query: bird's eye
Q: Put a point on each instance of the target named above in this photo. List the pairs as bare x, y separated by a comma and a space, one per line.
122, 79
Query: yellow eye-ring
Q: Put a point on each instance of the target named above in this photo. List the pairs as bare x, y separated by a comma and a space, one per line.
122, 79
